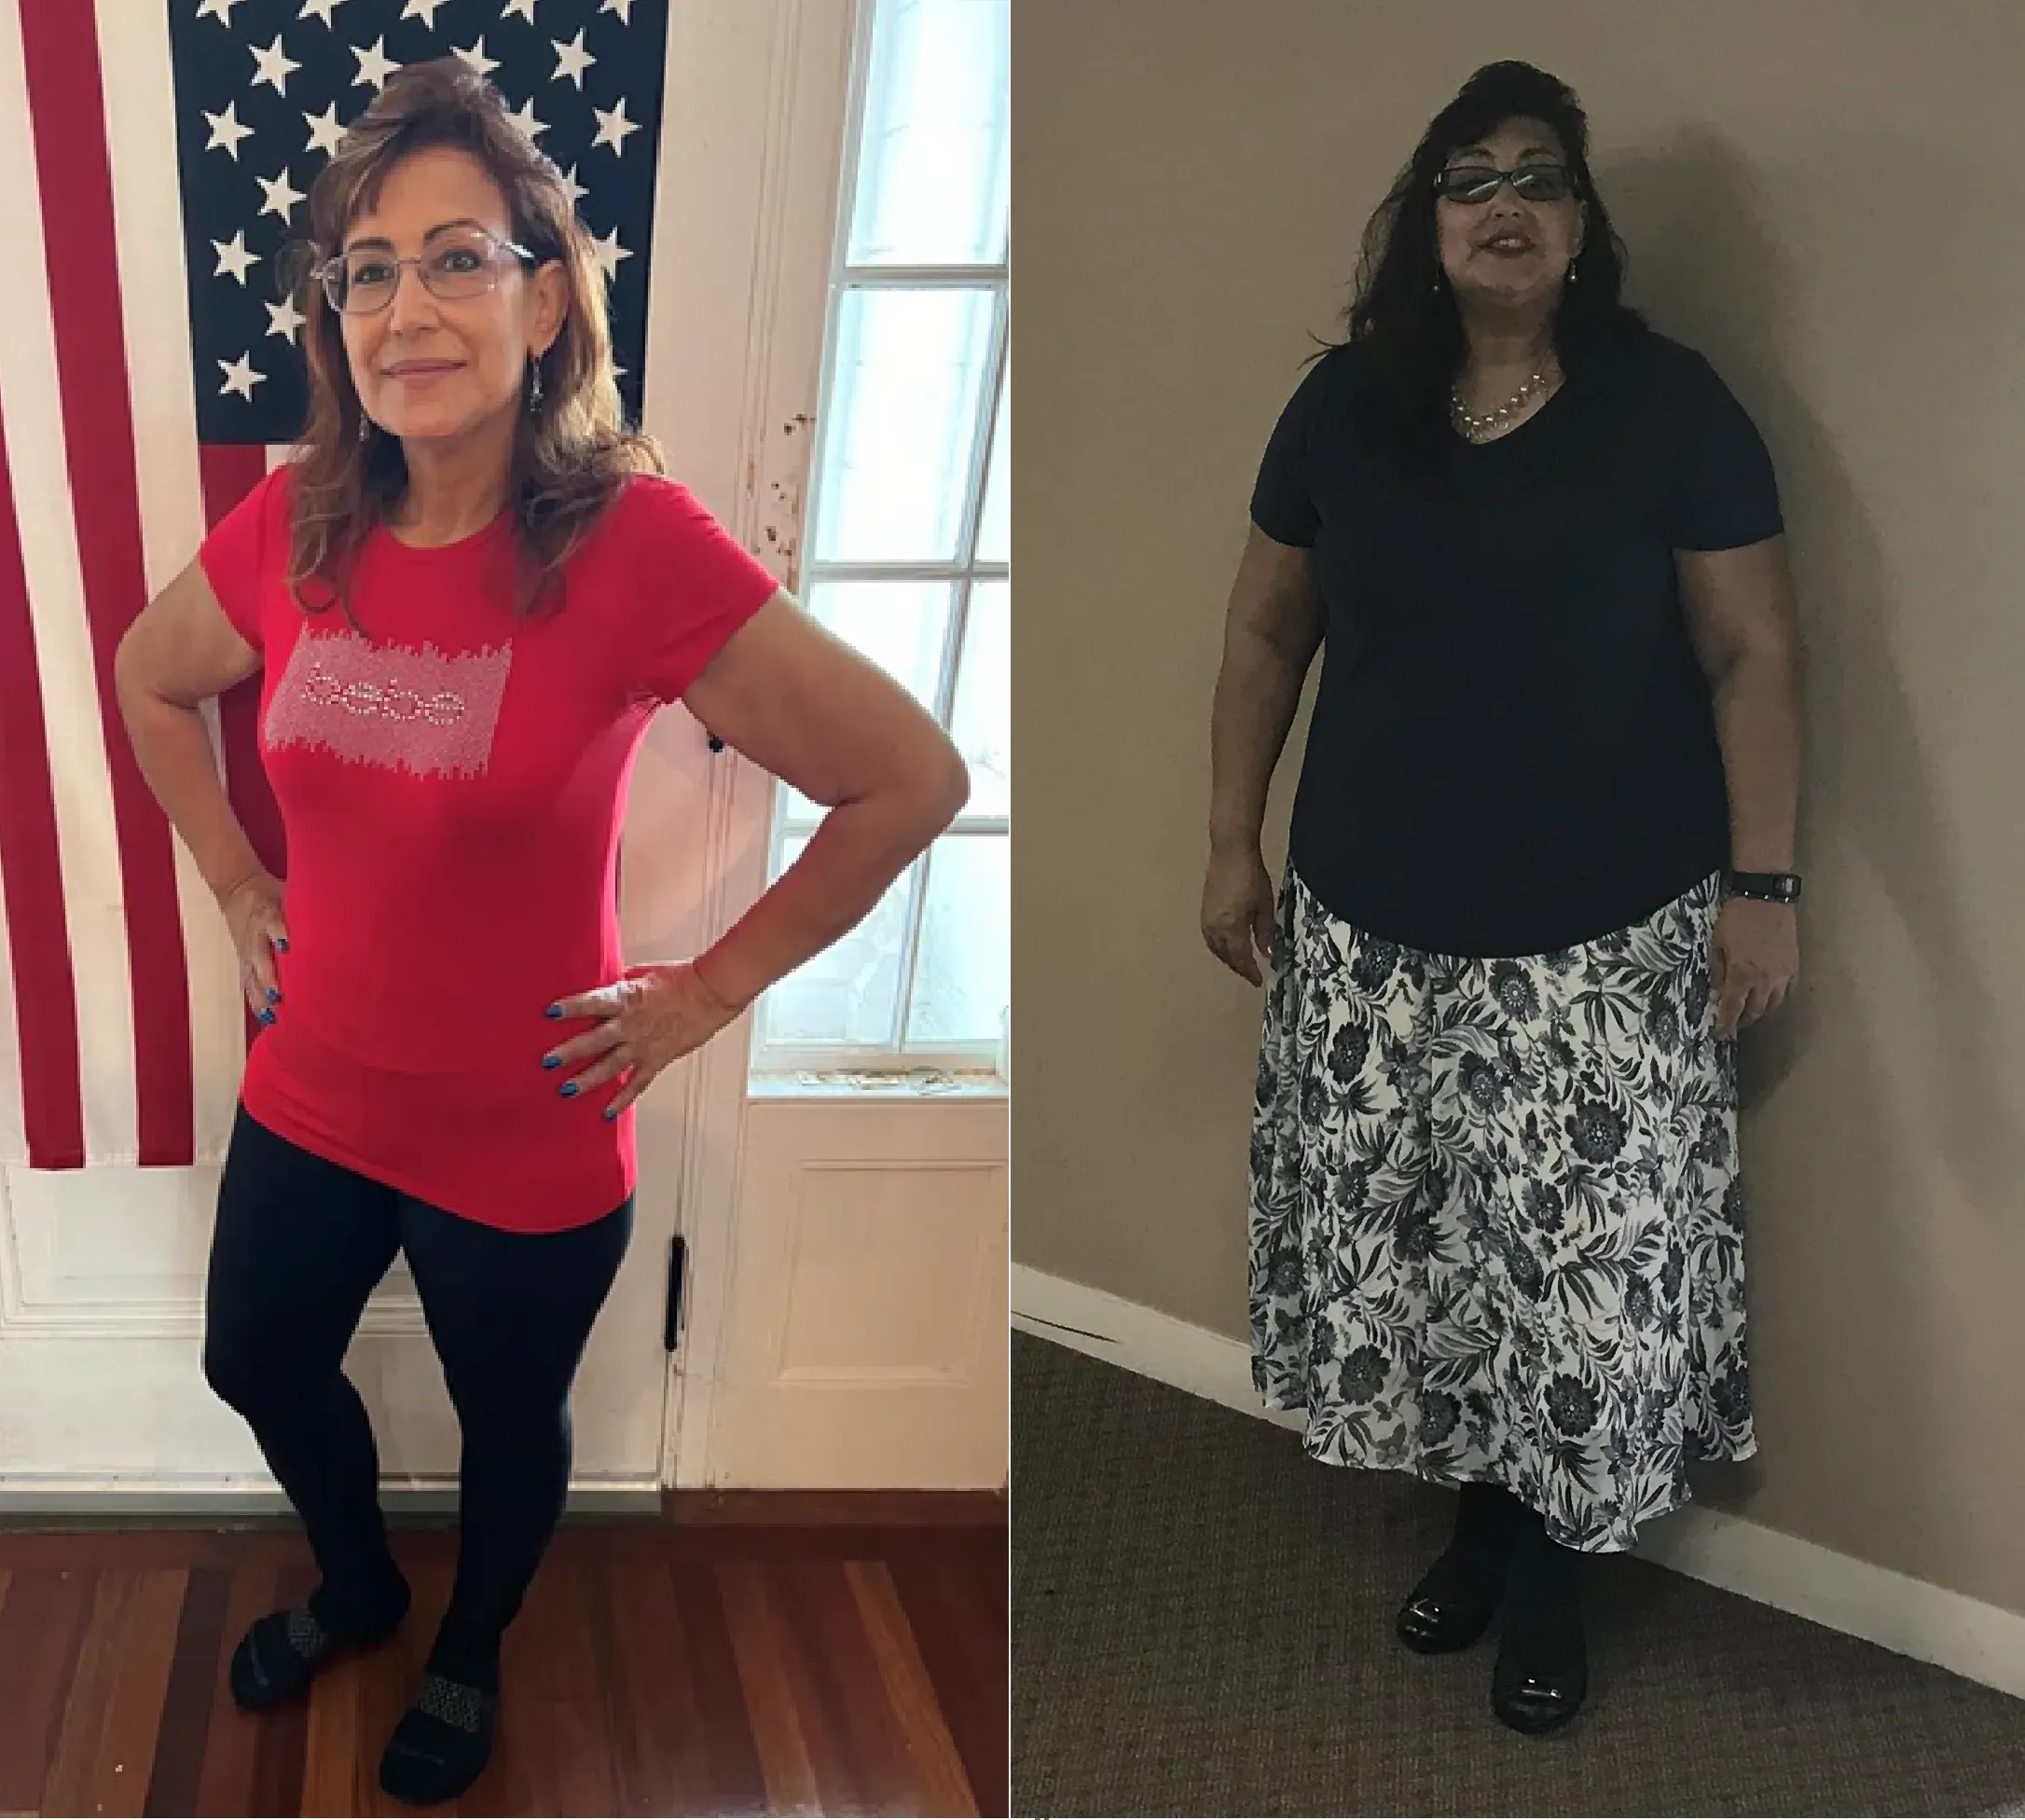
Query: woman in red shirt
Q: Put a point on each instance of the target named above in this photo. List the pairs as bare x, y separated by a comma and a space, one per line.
467, 594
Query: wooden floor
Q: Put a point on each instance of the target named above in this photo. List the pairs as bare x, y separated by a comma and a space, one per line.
727, 1662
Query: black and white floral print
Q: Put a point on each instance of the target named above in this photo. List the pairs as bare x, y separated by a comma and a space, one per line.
1496, 1227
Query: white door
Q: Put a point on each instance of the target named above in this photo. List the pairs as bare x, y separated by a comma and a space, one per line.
102, 1271
847, 1231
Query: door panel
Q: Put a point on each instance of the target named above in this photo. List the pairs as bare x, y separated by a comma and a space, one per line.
867, 1319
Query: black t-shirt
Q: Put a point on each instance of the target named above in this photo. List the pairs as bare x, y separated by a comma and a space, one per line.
1513, 748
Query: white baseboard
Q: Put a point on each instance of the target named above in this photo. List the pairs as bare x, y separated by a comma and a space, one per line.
201, 1502
1929, 1623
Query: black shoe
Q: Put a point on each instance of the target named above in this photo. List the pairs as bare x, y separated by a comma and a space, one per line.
1534, 1703
1431, 1626
1542, 1677
281, 1653
442, 1743
1459, 1595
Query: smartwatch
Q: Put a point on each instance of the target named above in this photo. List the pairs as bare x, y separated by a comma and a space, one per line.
1763, 886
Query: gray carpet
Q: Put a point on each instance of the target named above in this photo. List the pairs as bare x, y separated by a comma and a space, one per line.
1202, 1625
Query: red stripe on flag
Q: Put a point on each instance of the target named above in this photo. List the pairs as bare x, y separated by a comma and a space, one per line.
67, 108
229, 472
32, 874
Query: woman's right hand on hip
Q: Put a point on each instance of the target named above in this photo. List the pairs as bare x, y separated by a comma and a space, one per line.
253, 912
1238, 912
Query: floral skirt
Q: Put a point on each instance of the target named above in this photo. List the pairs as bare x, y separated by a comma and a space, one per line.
1496, 1225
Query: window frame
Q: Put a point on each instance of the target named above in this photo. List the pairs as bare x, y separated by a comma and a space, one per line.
961, 574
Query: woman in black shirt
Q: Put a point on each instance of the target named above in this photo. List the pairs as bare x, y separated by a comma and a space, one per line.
1540, 875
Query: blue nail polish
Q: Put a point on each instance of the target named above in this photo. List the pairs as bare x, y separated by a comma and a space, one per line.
282, 942
266, 1017
550, 1061
569, 1090
274, 997
612, 1111
553, 1011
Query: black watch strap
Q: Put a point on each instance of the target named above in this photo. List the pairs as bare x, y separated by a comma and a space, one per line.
1764, 887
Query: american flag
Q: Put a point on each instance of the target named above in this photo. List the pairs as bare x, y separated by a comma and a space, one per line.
150, 373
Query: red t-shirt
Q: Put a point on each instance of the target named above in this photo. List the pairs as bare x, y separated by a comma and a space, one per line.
452, 784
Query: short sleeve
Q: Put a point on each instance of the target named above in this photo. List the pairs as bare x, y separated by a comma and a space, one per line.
1282, 504
1724, 492
243, 548
694, 585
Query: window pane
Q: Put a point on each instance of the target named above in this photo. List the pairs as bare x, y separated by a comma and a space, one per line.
963, 982
932, 169
903, 420
982, 724
847, 993
995, 533
900, 625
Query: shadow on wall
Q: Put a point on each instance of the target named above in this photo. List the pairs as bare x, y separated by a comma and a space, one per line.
1704, 268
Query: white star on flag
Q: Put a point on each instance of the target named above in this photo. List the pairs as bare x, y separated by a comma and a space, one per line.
606, 249
233, 257
275, 65
572, 60
282, 195
613, 127
321, 9
225, 130
524, 8
375, 66
220, 10
523, 118
324, 130
240, 376
476, 59
577, 191
622, 7
424, 11
284, 319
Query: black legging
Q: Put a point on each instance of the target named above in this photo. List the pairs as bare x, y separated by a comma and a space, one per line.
299, 1244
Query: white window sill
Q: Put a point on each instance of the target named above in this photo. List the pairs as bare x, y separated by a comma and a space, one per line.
868, 1086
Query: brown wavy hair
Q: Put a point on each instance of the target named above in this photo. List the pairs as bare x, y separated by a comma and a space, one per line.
572, 454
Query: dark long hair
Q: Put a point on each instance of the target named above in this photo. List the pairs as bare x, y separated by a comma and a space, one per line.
571, 455
1403, 317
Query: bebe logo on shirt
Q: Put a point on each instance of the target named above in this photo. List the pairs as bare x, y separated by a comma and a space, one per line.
405, 708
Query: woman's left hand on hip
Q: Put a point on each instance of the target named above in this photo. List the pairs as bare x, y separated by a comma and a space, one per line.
649, 1018
1753, 961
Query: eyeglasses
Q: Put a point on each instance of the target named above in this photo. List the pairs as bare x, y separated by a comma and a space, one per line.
1478, 183
462, 263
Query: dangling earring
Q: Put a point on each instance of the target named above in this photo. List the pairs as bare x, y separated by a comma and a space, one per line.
534, 391
366, 428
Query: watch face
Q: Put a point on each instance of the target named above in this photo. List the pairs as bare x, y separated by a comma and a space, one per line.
1769, 888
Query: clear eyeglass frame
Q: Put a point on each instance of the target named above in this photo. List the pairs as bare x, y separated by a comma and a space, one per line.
454, 286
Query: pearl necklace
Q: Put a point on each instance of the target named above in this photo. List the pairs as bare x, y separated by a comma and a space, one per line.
1475, 428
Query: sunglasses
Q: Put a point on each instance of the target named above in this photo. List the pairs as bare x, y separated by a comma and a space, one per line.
1478, 183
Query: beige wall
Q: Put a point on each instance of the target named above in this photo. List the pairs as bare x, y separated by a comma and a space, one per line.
1820, 195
